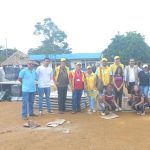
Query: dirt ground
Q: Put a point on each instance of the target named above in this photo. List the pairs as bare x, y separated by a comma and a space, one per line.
86, 132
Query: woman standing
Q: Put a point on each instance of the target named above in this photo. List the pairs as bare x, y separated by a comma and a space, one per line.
118, 85
144, 77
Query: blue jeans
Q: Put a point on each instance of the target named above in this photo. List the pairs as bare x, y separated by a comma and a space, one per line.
91, 103
27, 103
144, 89
62, 93
76, 98
41, 92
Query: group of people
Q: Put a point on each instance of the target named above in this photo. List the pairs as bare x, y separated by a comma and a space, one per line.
105, 86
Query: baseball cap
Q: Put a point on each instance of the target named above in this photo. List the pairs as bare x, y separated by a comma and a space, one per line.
116, 57
145, 65
104, 59
63, 59
88, 67
78, 63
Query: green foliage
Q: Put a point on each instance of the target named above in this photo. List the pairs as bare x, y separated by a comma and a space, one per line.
130, 45
5, 53
54, 39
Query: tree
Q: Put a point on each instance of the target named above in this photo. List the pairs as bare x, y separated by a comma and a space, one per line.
130, 45
5, 53
54, 39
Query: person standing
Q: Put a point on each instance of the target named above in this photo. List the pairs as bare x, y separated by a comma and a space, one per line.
131, 75
61, 80
44, 76
144, 80
91, 89
114, 67
118, 85
103, 75
27, 77
77, 81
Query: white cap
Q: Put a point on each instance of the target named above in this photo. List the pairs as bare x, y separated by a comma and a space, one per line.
145, 65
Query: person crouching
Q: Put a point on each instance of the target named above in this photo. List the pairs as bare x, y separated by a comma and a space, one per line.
107, 101
138, 101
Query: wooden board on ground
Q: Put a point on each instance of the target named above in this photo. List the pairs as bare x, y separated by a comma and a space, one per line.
110, 116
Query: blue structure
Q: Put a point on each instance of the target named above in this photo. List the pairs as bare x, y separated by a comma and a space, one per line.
85, 58
72, 56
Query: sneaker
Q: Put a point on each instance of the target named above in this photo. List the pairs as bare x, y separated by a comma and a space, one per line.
40, 113
51, 112
138, 113
73, 112
90, 110
103, 114
33, 115
143, 114
119, 109
94, 111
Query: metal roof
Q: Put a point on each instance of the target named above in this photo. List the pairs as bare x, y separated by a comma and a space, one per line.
72, 56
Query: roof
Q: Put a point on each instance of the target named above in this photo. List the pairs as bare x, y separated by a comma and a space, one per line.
72, 56
18, 58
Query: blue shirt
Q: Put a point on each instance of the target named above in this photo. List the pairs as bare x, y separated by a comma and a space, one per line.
28, 80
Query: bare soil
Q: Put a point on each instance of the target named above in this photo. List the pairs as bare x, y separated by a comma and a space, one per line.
86, 132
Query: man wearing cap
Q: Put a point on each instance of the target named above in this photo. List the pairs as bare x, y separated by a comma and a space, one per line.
61, 80
44, 76
77, 81
131, 75
103, 74
144, 79
114, 66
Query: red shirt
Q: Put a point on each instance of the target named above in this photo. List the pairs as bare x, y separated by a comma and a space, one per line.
78, 83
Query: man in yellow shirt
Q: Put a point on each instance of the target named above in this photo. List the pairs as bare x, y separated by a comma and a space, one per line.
103, 75
114, 66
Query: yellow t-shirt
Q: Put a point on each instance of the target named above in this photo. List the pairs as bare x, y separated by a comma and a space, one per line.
105, 74
91, 81
113, 68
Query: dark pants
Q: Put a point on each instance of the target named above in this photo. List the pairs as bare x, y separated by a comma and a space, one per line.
130, 87
76, 98
62, 93
118, 97
141, 108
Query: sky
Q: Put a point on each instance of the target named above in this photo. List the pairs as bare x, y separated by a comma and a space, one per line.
89, 24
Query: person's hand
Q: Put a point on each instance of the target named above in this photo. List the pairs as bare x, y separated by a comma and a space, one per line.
126, 84
118, 89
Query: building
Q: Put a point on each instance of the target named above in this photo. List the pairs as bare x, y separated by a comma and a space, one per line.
85, 58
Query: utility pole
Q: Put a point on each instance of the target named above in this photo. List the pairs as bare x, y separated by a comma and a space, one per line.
6, 46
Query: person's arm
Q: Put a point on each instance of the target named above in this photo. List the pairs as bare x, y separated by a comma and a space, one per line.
113, 79
37, 73
21, 75
125, 77
70, 81
121, 86
142, 101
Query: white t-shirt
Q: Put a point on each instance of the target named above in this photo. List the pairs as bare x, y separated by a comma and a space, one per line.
44, 76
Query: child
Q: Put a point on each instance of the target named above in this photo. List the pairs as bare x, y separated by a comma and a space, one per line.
138, 101
107, 100
91, 89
